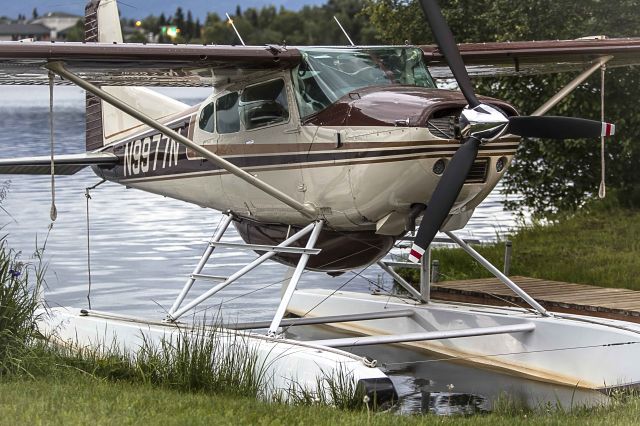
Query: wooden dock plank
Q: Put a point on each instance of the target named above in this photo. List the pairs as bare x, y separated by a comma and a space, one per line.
617, 303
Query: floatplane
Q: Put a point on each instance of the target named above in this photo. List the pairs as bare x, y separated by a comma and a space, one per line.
322, 158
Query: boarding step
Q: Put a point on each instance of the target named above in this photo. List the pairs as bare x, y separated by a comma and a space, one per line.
260, 247
215, 278
442, 240
430, 335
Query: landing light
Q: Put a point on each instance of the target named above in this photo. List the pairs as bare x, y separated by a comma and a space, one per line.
439, 166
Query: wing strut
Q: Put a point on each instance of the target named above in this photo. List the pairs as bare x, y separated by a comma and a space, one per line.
307, 210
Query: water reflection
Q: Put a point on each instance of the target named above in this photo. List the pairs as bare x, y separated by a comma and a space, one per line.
447, 403
428, 382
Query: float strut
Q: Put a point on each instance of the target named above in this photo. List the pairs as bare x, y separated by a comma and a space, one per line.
203, 261
293, 283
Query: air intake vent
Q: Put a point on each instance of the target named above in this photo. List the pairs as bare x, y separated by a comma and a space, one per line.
478, 172
444, 123
444, 127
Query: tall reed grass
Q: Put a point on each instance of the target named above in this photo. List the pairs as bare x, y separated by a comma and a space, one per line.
337, 388
20, 289
204, 359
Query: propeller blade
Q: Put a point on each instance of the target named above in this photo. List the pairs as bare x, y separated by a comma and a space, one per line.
444, 196
447, 45
551, 127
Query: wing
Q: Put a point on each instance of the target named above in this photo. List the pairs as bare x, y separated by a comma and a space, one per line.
64, 164
535, 57
196, 65
141, 64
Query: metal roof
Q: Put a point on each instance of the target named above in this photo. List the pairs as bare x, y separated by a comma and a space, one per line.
24, 29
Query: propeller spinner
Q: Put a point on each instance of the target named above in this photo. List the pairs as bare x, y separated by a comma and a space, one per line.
481, 123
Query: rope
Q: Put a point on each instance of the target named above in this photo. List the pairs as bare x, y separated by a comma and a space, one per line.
602, 191
53, 213
87, 195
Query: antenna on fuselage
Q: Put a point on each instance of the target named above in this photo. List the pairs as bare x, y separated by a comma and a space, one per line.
235, 29
343, 30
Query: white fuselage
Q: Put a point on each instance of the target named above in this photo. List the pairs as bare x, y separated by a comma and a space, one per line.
357, 176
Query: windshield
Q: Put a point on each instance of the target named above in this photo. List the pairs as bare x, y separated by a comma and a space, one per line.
325, 75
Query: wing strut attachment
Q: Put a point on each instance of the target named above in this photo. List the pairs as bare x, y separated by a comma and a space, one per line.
307, 210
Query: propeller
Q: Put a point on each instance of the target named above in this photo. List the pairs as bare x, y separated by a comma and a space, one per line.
481, 123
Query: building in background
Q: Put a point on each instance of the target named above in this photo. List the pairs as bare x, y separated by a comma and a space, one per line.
58, 23
21, 31
52, 26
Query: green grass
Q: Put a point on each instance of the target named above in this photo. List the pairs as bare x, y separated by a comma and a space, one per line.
76, 398
598, 247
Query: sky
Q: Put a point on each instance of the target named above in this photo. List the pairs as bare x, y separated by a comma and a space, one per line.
143, 8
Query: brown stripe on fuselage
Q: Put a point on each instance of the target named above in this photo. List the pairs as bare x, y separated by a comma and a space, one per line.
297, 166
297, 159
261, 157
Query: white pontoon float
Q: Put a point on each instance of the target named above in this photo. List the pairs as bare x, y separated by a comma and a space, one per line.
580, 351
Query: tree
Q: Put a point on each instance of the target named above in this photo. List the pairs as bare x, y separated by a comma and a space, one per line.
190, 27
76, 33
34, 13
178, 19
197, 29
550, 175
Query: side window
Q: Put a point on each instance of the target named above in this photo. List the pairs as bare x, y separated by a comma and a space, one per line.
206, 121
264, 104
227, 114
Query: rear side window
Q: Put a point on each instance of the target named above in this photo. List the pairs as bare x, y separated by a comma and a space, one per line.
264, 104
206, 121
227, 113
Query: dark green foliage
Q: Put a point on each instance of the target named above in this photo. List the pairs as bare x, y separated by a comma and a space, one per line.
313, 25
556, 176
551, 175
76, 33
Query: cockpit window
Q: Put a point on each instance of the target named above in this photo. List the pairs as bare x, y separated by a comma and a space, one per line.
228, 113
325, 75
264, 104
206, 121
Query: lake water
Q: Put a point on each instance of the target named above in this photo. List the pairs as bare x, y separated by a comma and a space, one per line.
144, 245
